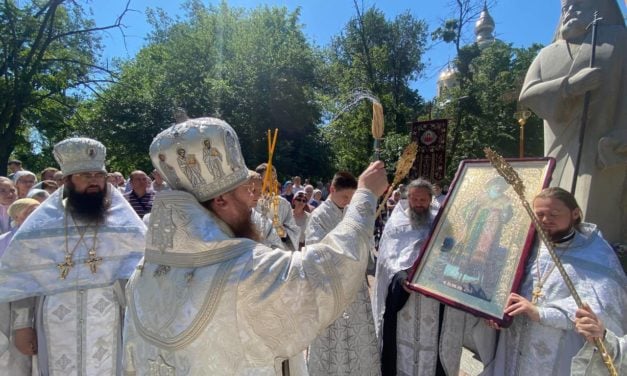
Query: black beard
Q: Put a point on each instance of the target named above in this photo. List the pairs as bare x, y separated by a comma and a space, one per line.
89, 207
419, 219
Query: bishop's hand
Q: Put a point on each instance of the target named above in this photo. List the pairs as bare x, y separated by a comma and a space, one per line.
374, 178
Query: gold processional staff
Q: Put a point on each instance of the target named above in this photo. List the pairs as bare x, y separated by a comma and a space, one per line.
405, 162
270, 187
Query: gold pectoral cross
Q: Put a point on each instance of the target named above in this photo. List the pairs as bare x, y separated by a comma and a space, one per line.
536, 294
93, 261
65, 266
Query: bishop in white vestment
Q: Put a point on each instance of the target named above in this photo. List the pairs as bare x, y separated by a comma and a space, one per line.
208, 299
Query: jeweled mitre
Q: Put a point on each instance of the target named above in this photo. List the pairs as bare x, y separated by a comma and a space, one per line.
80, 154
201, 156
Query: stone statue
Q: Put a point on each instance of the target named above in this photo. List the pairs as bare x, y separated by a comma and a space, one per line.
554, 89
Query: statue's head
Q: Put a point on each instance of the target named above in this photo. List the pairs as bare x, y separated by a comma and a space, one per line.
578, 14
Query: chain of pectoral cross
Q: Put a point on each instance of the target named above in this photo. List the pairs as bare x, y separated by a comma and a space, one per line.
93, 260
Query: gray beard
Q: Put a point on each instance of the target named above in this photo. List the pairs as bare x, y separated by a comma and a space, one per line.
419, 220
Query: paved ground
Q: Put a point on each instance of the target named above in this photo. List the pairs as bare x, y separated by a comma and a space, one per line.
469, 365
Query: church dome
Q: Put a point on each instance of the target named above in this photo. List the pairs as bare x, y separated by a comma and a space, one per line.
447, 74
447, 80
484, 27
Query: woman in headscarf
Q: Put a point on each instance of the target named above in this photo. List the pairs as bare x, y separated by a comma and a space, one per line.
24, 181
18, 212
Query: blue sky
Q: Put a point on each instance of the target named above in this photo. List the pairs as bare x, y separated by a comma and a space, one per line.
520, 22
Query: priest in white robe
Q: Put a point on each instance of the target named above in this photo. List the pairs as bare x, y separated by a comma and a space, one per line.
348, 346
542, 339
418, 335
73, 254
210, 299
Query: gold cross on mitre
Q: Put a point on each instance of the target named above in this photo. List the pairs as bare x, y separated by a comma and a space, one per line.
65, 266
93, 261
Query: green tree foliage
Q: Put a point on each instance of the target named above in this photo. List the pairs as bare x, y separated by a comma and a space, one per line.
483, 106
253, 69
381, 56
48, 57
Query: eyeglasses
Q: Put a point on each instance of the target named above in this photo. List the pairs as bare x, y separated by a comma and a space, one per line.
251, 188
300, 199
25, 181
91, 175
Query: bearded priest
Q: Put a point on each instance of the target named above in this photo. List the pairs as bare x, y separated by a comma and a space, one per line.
74, 254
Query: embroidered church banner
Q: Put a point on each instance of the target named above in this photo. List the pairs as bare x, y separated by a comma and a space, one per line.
430, 161
475, 256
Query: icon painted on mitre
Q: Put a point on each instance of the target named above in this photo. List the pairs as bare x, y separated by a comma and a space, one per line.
233, 154
57, 156
213, 159
91, 152
168, 171
190, 167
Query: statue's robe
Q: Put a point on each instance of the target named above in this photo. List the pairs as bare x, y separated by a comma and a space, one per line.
602, 182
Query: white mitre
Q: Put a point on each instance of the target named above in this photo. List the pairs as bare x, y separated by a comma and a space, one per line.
80, 154
200, 156
31, 264
200, 159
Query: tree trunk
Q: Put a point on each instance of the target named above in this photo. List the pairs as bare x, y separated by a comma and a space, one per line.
7, 139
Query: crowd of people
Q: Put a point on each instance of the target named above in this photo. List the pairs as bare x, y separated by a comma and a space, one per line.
199, 270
